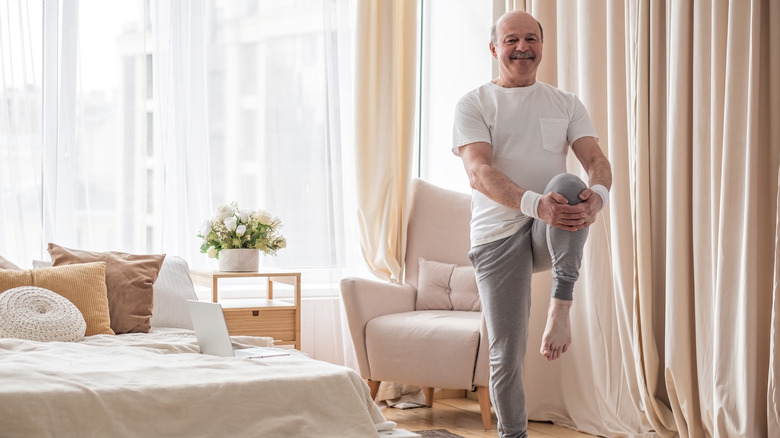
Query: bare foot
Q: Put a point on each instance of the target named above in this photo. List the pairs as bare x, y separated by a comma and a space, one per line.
557, 333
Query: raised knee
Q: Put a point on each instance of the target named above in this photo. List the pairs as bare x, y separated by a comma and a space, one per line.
568, 185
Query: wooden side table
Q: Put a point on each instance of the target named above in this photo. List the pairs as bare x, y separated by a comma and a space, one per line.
261, 316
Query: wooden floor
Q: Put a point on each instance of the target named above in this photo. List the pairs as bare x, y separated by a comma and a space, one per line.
461, 416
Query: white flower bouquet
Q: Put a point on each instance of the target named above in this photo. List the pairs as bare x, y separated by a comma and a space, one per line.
233, 228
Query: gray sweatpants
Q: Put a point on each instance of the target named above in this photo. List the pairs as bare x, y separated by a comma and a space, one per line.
503, 269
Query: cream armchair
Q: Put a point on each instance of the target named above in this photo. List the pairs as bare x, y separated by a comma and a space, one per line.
429, 330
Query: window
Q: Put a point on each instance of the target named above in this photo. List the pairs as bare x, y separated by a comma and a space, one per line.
454, 59
275, 116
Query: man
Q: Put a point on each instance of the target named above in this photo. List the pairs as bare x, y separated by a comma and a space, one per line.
513, 135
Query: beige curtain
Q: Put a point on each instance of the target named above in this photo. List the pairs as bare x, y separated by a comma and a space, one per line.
386, 59
675, 305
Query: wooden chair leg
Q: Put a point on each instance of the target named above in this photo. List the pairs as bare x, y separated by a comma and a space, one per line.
483, 395
373, 386
428, 393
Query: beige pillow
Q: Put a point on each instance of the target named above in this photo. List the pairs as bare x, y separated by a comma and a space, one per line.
129, 282
464, 294
445, 286
433, 285
6, 264
83, 285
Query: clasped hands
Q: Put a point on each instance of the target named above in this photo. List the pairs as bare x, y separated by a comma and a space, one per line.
555, 210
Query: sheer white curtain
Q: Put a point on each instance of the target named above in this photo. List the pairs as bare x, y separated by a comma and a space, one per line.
180, 123
20, 130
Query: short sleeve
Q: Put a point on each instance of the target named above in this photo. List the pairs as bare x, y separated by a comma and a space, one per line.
469, 125
580, 125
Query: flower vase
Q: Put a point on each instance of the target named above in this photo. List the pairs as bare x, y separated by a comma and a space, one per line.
239, 260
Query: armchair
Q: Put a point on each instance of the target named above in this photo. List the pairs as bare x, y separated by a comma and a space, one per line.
429, 330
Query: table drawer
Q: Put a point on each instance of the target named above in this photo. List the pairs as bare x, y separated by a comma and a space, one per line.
276, 323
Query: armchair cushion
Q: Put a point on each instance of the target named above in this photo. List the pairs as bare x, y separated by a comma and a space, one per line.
436, 348
445, 286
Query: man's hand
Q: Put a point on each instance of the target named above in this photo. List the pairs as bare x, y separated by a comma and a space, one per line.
554, 209
592, 203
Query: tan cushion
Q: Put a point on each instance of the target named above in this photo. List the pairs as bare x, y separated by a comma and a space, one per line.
445, 286
6, 264
129, 283
435, 348
83, 285
464, 294
433, 286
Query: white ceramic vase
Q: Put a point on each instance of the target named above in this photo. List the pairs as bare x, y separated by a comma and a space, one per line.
239, 260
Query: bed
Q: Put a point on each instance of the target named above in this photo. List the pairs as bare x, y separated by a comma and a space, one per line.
157, 384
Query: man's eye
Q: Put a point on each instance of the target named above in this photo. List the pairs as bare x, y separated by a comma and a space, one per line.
531, 40
511, 41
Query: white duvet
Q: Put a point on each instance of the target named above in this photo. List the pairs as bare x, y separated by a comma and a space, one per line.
157, 385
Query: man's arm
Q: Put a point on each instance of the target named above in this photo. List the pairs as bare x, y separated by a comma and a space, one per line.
588, 152
491, 182
486, 179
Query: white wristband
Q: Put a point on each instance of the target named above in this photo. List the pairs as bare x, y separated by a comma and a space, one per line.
529, 204
602, 192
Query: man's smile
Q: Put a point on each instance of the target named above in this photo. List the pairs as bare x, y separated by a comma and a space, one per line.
522, 55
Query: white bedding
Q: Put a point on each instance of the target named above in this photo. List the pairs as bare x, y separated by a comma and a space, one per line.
157, 385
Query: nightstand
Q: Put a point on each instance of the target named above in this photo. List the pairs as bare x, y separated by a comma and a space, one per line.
262, 315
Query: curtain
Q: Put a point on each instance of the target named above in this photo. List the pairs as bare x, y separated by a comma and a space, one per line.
678, 294
712, 169
20, 129
386, 60
181, 118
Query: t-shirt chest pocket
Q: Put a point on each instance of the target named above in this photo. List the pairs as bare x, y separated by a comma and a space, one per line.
554, 134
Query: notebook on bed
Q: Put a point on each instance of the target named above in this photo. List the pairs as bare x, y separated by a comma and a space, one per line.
212, 333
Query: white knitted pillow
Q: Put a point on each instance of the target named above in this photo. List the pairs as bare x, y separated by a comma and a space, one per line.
38, 314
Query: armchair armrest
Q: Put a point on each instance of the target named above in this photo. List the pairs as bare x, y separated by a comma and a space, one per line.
364, 300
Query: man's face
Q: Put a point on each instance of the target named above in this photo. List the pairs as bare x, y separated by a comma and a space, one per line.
518, 48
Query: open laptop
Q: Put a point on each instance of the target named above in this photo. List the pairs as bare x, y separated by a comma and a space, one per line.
212, 333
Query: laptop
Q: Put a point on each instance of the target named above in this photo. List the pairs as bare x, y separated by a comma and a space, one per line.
212, 333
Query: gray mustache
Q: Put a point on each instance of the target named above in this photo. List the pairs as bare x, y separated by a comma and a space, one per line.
521, 55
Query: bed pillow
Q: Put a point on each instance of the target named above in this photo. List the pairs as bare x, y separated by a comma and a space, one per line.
129, 283
171, 291
445, 286
84, 285
41, 263
38, 314
6, 264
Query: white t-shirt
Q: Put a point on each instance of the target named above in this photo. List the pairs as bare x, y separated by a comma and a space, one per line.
530, 129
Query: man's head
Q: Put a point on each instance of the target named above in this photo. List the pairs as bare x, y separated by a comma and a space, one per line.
516, 41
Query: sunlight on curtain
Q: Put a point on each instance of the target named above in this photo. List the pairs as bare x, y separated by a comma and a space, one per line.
20, 130
253, 96
386, 58
179, 125
94, 170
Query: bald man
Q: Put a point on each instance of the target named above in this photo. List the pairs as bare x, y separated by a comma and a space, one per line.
528, 215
